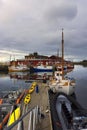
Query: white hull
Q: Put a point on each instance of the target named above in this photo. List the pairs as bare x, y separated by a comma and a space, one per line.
65, 89
60, 87
58, 84
17, 68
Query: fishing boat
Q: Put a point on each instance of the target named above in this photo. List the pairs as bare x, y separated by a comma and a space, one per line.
60, 83
18, 68
43, 68
71, 115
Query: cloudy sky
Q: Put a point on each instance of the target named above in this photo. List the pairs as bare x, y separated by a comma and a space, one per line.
28, 26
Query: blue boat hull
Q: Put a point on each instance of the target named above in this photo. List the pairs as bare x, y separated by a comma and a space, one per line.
42, 70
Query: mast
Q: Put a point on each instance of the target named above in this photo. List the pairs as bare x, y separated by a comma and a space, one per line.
62, 55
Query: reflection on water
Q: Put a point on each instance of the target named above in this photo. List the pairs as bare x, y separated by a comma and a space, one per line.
7, 83
80, 74
14, 81
28, 76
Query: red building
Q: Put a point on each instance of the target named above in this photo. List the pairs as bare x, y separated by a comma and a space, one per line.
31, 60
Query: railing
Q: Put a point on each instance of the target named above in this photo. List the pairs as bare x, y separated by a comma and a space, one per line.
33, 118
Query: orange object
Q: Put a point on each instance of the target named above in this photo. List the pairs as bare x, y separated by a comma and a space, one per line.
20, 97
1, 101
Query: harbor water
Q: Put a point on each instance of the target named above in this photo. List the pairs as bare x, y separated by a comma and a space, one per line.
16, 81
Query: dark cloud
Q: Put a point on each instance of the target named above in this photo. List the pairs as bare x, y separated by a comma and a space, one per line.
63, 11
58, 13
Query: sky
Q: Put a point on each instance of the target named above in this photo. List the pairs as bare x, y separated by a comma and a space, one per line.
28, 26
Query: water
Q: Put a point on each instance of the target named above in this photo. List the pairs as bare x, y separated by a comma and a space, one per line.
80, 74
15, 81
8, 83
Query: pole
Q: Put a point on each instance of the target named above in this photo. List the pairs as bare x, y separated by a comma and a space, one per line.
62, 55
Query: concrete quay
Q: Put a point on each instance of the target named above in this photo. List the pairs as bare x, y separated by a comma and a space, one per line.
42, 100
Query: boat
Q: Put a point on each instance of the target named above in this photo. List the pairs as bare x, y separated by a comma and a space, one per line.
27, 99
18, 68
66, 112
43, 68
66, 85
60, 83
71, 115
59, 68
31, 89
15, 115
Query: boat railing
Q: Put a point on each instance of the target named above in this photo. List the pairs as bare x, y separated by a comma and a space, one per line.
28, 121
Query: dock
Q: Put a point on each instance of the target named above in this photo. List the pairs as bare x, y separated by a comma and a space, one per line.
42, 100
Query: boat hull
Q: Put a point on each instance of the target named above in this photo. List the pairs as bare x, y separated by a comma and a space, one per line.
42, 69
73, 119
17, 69
64, 86
71, 115
69, 90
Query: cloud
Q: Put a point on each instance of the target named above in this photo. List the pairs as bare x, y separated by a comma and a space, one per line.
63, 11
35, 25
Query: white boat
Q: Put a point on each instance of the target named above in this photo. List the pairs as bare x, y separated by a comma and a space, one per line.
60, 83
18, 68
60, 68
66, 85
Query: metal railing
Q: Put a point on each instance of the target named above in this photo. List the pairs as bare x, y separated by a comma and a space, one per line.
34, 116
